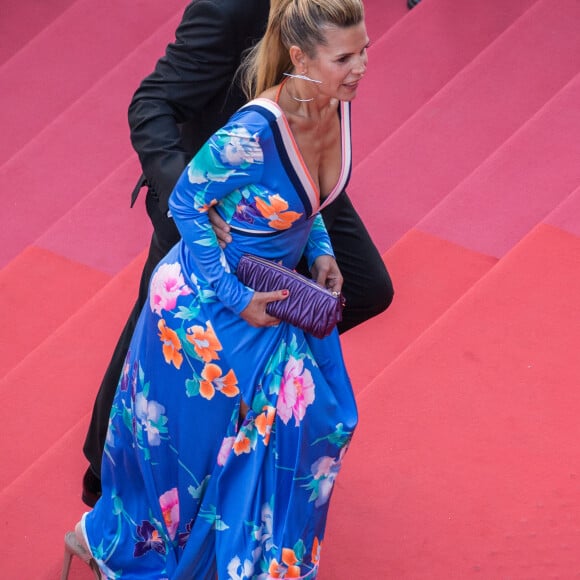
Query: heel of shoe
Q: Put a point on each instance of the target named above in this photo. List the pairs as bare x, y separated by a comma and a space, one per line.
73, 547
68, 554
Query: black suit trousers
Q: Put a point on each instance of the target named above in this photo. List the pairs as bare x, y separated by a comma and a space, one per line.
367, 289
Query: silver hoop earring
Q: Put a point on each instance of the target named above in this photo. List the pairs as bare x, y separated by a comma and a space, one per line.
302, 78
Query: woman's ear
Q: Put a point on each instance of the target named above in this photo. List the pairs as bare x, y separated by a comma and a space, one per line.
297, 57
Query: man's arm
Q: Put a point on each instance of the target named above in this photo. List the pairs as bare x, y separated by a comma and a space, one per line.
196, 68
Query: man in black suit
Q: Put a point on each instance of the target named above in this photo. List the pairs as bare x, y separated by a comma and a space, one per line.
189, 95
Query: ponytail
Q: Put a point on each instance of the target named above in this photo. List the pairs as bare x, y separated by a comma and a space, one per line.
293, 23
269, 59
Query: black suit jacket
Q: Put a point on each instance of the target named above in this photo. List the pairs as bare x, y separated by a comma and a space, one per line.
191, 92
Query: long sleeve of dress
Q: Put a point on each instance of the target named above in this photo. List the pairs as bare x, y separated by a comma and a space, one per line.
230, 159
318, 242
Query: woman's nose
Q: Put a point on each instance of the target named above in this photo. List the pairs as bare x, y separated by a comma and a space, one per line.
361, 65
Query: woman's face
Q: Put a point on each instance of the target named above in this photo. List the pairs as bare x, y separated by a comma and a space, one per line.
341, 63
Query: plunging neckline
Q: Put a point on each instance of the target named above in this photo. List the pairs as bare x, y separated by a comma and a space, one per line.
297, 160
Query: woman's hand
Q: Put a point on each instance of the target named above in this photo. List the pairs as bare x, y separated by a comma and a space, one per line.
325, 271
255, 312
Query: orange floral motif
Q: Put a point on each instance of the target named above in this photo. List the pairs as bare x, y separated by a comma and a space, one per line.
315, 551
171, 344
289, 557
242, 444
276, 212
293, 572
205, 342
275, 570
288, 568
264, 422
206, 206
213, 381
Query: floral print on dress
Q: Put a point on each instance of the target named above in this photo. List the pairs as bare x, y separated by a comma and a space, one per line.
150, 540
225, 450
318, 243
227, 155
204, 341
247, 211
276, 212
169, 503
324, 473
270, 561
152, 419
287, 568
167, 285
240, 149
189, 490
214, 381
171, 344
264, 422
296, 391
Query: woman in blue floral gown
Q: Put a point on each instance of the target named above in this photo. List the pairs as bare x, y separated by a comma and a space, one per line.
229, 427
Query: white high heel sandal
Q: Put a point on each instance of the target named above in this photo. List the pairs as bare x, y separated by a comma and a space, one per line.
73, 546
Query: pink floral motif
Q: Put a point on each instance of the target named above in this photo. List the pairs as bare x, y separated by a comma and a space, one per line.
169, 502
225, 450
325, 471
166, 287
296, 391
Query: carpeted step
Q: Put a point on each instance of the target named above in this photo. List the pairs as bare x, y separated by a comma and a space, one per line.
467, 121
61, 487
518, 185
429, 275
56, 383
70, 263
76, 152
22, 20
419, 56
39, 290
465, 462
102, 230
41, 504
113, 229
567, 215
381, 16
67, 58
482, 219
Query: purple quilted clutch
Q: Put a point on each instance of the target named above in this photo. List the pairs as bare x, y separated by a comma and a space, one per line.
309, 306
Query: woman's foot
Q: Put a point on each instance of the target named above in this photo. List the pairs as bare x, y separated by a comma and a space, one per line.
75, 545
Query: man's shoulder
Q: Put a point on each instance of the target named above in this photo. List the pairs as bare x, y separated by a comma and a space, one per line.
244, 9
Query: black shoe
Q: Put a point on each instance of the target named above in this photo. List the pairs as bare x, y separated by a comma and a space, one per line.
412, 3
91, 488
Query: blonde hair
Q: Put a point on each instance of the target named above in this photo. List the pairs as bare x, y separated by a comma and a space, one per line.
293, 23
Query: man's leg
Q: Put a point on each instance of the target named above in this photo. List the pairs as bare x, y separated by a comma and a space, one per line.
163, 239
367, 287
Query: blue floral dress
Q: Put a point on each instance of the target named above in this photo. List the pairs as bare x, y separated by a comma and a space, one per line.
189, 490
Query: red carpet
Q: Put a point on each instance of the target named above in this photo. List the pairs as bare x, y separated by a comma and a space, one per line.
71, 285
65, 59
56, 380
75, 163
518, 185
429, 274
466, 462
465, 123
21, 22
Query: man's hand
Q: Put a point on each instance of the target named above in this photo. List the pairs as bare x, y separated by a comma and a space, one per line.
325, 271
220, 227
